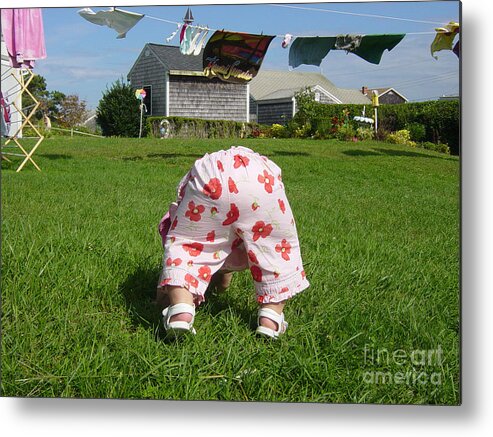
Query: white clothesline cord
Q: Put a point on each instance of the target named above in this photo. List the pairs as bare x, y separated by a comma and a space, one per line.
356, 14
176, 23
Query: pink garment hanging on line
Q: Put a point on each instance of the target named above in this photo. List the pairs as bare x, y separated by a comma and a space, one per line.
24, 36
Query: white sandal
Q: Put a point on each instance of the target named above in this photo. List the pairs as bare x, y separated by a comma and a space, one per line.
178, 328
282, 325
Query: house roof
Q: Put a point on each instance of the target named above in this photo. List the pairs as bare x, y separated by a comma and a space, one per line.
382, 91
171, 58
270, 85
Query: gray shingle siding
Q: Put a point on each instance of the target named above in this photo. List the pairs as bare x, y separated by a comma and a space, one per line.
212, 99
148, 71
270, 113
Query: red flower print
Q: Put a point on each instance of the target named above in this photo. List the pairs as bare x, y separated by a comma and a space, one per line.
190, 263
205, 273
260, 229
232, 186
210, 236
281, 205
303, 274
253, 257
284, 249
255, 206
173, 262
236, 243
267, 180
214, 211
256, 273
284, 289
220, 166
165, 282
240, 161
191, 281
276, 274
194, 212
280, 178
213, 189
232, 215
175, 222
194, 249
216, 255
172, 239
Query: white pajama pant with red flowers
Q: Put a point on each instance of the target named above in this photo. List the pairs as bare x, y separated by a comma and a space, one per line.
232, 214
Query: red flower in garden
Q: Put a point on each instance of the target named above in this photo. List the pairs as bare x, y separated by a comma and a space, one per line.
210, 236
284, 249
266, 179
232, 215
213, 189
281, 205
256, 273
220, 166
240, 161
191, 280
205, 273
194, 212
260, 229
232, 186
173, 262
194, 249
253, 257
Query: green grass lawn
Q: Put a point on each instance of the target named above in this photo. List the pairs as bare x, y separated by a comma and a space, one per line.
379, 230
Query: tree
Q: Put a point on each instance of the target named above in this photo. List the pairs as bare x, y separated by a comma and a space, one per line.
72, 111
49, 100
118, 112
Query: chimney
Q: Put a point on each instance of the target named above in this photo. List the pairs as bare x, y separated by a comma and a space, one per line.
364, 90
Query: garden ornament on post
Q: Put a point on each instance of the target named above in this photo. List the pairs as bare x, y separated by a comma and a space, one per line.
375, 104
141, 94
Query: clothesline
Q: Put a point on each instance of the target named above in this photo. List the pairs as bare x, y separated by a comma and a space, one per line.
177, 23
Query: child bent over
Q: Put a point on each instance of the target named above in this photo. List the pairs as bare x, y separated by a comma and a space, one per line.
231, 214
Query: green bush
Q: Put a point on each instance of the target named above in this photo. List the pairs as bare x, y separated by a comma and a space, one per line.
365, 134
417, 131
346, 133
118, 112
440, 147
181, 127
401, 137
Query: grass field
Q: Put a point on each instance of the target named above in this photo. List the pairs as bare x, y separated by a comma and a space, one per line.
379, 230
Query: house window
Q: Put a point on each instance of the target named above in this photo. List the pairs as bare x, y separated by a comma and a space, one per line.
148, 99
317, 96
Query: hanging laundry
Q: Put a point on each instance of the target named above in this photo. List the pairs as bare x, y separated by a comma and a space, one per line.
310, 50
286, 41
183, 30
371, 47
174, 33
200, 44
5, 116
186, 42
23, 33
196, 32
117, 19
234, 57
444, 38
347, 42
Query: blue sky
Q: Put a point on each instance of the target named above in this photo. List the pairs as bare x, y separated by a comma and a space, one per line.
85, 59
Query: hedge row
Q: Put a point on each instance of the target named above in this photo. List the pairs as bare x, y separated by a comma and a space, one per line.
441, 119
181, 127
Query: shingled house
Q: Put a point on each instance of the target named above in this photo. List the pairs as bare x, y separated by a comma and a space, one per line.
272, 94
385, 95
175, 85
